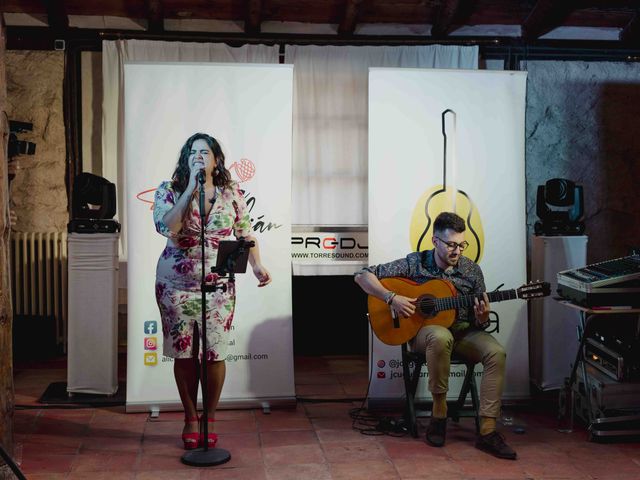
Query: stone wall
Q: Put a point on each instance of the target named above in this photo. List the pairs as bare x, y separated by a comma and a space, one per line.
34, 94
582, 124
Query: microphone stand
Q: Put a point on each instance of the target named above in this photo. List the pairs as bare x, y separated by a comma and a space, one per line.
203, 456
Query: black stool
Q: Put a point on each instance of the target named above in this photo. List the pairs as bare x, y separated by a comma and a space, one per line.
454, 410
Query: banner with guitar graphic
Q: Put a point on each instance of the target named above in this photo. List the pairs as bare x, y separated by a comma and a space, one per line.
248, 109
449, 140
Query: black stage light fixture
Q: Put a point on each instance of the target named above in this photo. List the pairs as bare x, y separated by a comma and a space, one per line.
93, 205
93, 197
560, 206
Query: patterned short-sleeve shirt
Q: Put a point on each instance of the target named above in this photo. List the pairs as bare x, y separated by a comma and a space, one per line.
420, 267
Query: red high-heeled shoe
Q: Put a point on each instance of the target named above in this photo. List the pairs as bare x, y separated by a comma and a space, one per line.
191, 440
212, 438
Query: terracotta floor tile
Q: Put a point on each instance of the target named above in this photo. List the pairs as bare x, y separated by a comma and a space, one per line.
101, 476
292, 454
45, 463
117, 430
48, 476
223, 472
548, 468
606, 466
234, 440
242, 425
168, 416
344, 435
190, 473
341, 452
109, 462
310, 471
411, 448
79, 415
163, 428
235, 414
119, 422
336, 423
268, 423
61, 427
59, 445
112, 444
158, 463
492, 469
364, 470
244, 456
428, 467
288, 437
327, 409
162, 445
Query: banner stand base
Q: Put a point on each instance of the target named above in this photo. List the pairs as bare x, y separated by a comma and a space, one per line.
206, 458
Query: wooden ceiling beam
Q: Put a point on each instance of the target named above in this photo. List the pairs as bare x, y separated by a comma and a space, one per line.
545, 16
447, 13
56, 15
607, 3
253, 17
155, 15
631, 32
350, 18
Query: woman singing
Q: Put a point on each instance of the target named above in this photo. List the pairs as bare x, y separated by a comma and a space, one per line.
177, 216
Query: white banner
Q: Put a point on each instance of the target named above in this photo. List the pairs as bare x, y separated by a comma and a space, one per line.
329, 247
484, 125
248, 109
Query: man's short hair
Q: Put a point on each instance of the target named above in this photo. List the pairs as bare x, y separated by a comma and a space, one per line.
449, 220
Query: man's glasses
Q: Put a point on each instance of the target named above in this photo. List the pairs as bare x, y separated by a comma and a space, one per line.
451, 246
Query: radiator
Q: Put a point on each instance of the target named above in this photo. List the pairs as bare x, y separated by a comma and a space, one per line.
39, 277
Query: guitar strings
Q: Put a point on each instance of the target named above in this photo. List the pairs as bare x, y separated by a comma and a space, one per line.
450, 303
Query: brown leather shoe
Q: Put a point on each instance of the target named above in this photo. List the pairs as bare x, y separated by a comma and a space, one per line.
437, 431
494, 444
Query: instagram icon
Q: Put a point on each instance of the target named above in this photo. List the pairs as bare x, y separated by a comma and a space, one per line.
150, 343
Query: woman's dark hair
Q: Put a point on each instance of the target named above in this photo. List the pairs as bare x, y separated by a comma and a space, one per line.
221, 176
449, 220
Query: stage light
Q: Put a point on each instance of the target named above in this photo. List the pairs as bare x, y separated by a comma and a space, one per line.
93, 205
559, 206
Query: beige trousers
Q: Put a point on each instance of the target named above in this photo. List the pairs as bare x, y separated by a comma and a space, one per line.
473, 345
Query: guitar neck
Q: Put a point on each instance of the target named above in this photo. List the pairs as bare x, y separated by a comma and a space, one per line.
450, 303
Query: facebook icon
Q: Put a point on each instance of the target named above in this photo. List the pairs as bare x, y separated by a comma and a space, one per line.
150, 327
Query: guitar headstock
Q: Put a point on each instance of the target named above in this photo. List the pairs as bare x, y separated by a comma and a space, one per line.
534, 290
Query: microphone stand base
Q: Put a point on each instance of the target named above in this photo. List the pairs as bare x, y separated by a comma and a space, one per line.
206, 458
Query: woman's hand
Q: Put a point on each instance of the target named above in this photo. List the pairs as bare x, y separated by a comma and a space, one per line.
261, 273
193, 184
481, 309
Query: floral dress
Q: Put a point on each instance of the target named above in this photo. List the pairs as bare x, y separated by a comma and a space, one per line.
178, 272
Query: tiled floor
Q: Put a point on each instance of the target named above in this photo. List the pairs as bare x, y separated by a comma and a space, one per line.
314, 440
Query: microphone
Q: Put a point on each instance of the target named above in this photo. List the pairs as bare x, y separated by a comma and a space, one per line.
201, 177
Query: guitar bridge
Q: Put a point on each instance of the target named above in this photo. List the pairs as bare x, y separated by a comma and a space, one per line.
396, 319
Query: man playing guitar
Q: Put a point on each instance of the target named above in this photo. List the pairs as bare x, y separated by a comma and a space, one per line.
466, 336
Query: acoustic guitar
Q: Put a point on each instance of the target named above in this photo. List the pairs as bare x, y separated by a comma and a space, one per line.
437, 304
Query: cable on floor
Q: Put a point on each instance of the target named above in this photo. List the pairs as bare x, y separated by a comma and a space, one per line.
368, 423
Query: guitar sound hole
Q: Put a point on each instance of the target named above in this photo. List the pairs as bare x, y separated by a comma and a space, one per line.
426, 306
